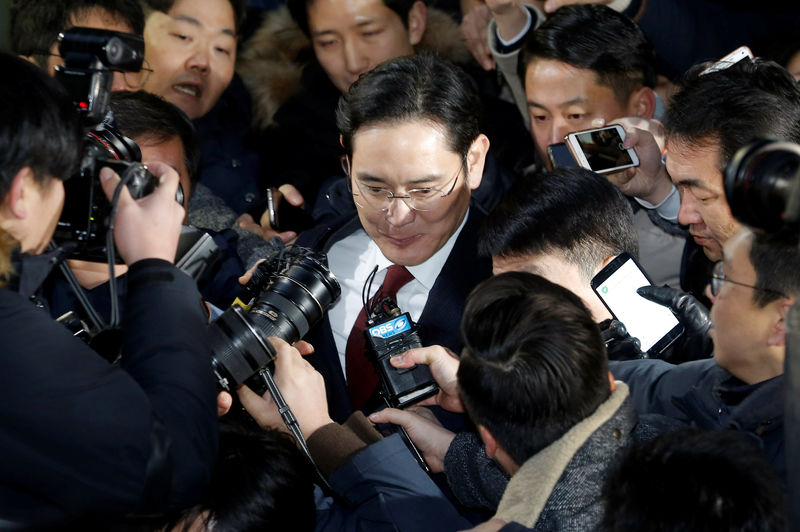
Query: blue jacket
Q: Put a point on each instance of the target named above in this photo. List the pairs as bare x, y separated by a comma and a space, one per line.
704, 395
386, 490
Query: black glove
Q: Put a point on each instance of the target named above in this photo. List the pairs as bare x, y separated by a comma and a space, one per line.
619, 344
695, 343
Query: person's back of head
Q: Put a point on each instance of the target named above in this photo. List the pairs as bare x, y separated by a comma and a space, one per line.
39, 128
141, 115
534, 363
730, 107
422, 87
35, 24
692, 480
571, 212
261, 481
595, 37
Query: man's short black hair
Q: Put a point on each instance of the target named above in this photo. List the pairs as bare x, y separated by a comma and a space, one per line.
692, 480
261, 481
39, 126
731, 107
533, 364
420, 87
299, 11
571, 211
35, 24
141, 114
239, 9
776, 261
597, 38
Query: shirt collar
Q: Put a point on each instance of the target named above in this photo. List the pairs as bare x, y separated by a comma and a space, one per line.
426, 272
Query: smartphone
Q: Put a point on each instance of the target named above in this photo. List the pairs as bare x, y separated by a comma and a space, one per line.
654, 325
729, 60
600, 150
283, 216
560, 157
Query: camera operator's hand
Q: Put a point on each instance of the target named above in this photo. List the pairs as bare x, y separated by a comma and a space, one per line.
147, 228
425, 431
696, 342
302, 387
443, 364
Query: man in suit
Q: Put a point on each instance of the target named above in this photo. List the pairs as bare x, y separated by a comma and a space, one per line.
414, 154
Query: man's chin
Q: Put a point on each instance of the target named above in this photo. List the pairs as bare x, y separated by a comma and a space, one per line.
711, 248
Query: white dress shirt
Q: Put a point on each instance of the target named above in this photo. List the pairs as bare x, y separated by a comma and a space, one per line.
353, 258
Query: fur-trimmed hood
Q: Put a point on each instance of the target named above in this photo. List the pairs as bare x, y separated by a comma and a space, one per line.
271, 61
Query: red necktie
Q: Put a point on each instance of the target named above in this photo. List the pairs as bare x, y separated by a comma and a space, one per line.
361, 376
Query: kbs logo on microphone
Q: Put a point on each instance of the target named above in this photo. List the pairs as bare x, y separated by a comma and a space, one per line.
391, 327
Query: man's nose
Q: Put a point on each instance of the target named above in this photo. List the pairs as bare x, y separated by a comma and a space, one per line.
688, 213
355, 60
119, 84
198, 61
399, 213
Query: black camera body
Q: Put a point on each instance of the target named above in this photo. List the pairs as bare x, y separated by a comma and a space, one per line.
390, 334
86, 214
287, 295
89, 57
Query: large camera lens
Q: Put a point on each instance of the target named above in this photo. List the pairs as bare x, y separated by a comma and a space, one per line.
759, 181
295, 298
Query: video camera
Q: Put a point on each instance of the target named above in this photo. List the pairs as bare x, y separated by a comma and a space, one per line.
762, 185
90, 58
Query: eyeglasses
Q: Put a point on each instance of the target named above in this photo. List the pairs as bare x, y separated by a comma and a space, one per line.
718, 277
379, 199
136, 80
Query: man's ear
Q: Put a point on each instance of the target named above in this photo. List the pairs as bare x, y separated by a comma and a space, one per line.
476, 158
777, 337
417, 21
15, 202
642, 103
488, 441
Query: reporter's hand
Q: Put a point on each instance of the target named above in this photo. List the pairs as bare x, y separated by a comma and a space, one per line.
443, 364
696, 342
474, 24
147, 228
224, 403
425, 431
509, 15
264, 229
302, 387
649, 181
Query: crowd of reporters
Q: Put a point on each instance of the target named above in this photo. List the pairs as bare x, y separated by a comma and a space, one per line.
384, 175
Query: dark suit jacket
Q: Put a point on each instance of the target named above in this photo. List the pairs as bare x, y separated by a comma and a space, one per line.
440, 321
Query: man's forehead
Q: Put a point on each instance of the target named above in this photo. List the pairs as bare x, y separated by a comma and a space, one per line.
694, 163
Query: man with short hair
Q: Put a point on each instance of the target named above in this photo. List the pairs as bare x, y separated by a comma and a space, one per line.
533, 377
581, 65
36, 24
347, 40
414, 156
564, 225
741, 388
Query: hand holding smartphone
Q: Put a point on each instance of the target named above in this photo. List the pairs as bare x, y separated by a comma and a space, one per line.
600, 150
654, 325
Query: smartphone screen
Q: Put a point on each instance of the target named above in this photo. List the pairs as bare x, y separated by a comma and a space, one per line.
560, 157
600, 150
654, 325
